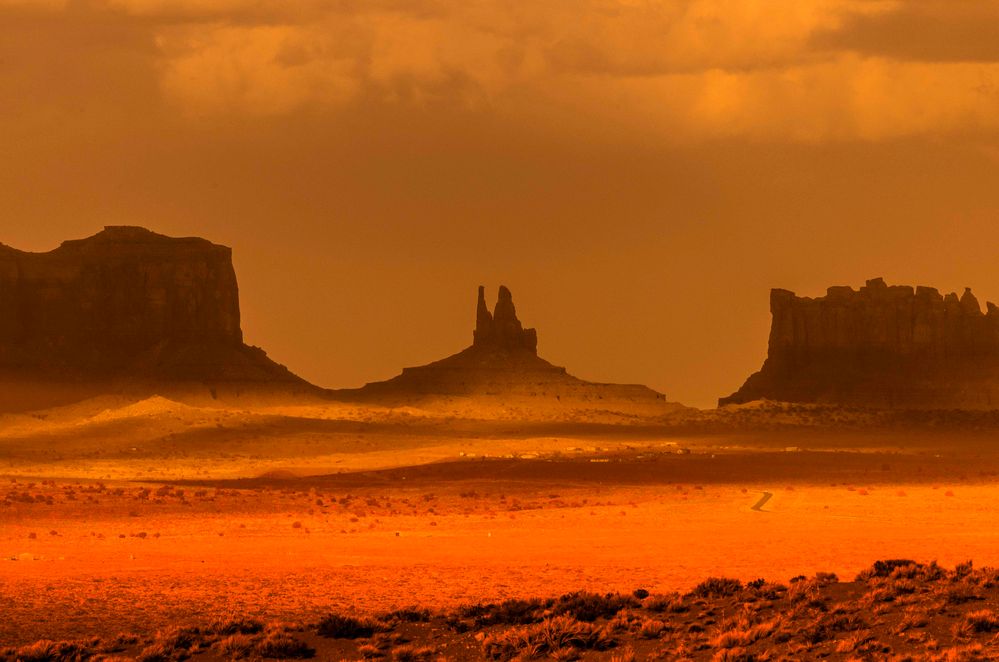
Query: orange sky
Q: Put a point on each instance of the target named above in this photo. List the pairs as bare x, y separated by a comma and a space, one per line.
639, 173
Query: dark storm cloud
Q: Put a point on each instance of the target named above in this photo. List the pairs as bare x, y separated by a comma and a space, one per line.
923, 30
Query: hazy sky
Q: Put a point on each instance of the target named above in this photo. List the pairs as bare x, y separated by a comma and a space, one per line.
638, 173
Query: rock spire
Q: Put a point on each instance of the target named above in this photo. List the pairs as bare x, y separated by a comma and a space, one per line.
501, 329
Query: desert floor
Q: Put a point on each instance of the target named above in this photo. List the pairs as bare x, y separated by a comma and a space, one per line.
97, 538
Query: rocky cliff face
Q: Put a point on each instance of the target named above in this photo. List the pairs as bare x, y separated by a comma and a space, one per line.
126, 303
880, 345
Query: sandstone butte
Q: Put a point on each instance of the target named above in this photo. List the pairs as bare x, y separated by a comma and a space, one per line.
502, 361
879, 346
129, 311
129, 306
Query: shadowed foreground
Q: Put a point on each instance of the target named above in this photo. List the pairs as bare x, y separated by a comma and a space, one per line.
897, 609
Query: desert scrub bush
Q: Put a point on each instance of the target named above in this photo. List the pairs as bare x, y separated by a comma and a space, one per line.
236, 646
546, 637
930, 572
178, 638
588, 607
767, 590
965, 569
47, 651
672, 603
818, 631
508, 612
735, 655
959, 593
913, 617
806, 590
848, 622
977, 622
172, 644
652, 628
626, 655
969, 653
407, 615
283, 646
823, 578
815, 633
884, 568
228, 624
985, 577
889, 590
853, 642
384, 641
119, 642
627, 620
368, 651
338, 626
410, 653
741, 632
286, 627
717, 587
565, 655
160, 652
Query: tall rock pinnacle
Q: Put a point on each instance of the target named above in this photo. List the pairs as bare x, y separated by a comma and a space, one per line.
501, 330
503, 362
483, 320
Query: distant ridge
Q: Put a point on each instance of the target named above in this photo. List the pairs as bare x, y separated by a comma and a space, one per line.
501, 361
879, 346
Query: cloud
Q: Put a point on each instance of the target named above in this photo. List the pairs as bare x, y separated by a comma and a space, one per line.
256, 69
35, 6
473, 54
690, 70
654, 38
921, 30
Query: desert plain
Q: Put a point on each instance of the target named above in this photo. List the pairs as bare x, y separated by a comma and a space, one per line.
135, 516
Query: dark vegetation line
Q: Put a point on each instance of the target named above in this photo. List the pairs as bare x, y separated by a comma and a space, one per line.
895, 610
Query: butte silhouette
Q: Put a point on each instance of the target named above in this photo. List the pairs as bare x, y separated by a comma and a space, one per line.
501, 361
132, 312
879, 346
128, 309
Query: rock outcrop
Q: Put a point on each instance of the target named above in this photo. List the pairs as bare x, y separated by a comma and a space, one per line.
502, 329
127, 304
502, 361
883, 345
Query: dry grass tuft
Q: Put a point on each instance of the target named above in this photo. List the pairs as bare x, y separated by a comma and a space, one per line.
236, 646
544, 638
338, 626
715, 587
983, 621
232, 624
412, 653
669, 604
282, 646
588, 607
741, 632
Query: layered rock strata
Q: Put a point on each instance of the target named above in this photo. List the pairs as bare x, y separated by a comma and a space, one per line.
881, 345
127, 303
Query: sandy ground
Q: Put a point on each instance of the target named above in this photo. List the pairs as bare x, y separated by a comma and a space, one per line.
277, 553
338, 523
